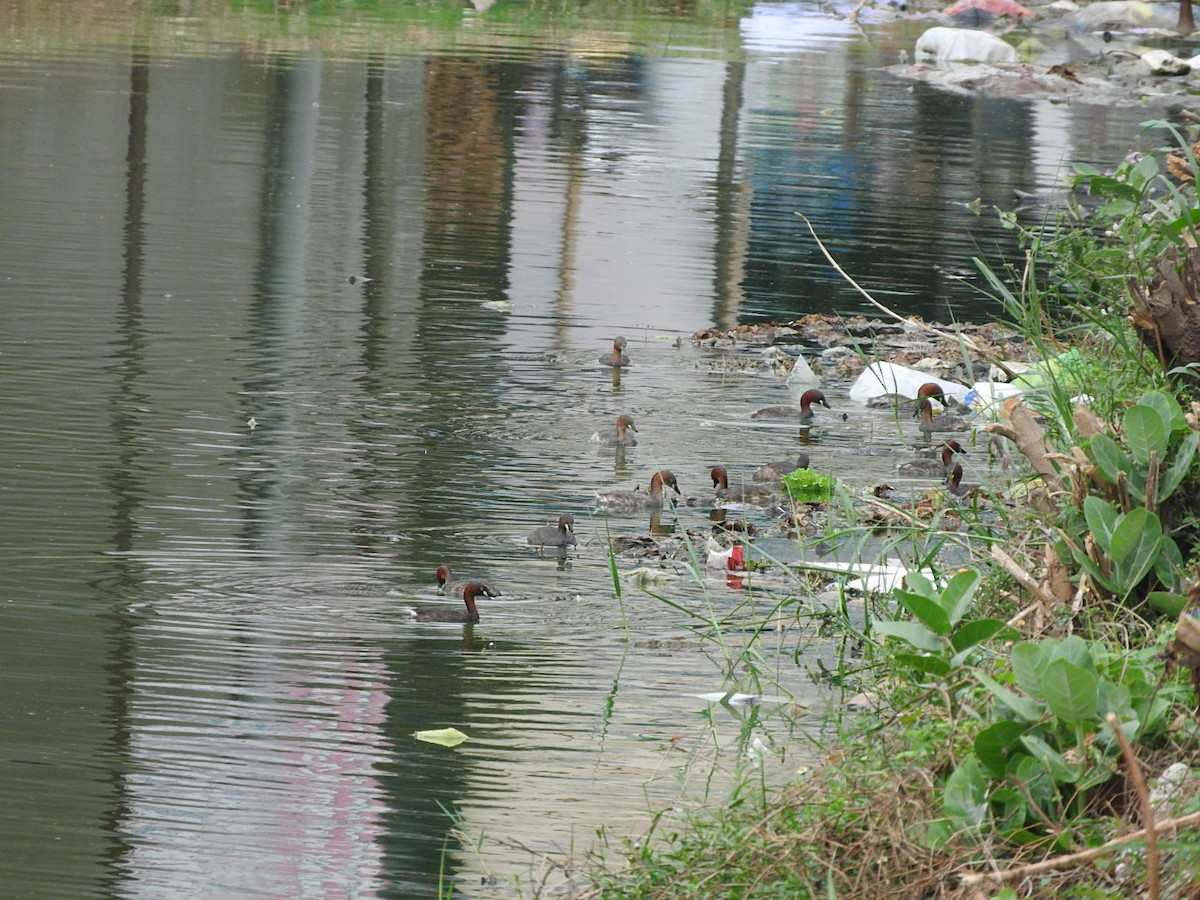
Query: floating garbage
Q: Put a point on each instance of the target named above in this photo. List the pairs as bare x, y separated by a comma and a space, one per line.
881, 378
990, 395
964, 45
883, 576
802, 373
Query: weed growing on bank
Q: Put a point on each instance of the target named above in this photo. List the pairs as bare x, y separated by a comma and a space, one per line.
1032, 729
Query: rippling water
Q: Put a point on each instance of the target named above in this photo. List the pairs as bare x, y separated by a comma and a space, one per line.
293, 310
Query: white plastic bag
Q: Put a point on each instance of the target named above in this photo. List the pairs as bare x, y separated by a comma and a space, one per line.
888, 378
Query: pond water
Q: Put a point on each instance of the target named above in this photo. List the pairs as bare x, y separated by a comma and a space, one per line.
295, 308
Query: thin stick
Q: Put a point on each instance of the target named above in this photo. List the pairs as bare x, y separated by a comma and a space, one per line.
1071, 859
895, 315
1139, 787
1024, 578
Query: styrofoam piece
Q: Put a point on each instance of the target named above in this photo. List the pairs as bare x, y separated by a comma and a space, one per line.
888, 378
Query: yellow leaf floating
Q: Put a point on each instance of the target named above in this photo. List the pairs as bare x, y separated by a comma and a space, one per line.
447, 737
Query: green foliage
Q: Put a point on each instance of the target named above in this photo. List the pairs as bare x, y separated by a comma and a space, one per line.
808, 486
1131, 552
939, 638
1045, 744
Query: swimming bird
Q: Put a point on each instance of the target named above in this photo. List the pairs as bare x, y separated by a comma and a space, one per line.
930, 422
618, 357
618, 436
930, 389
926, 466
774, 471
632, 501
470, 591
454, 586
956, 486
561, 535
740, 493
805, 413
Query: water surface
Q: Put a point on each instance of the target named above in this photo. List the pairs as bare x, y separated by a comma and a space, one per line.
295, 308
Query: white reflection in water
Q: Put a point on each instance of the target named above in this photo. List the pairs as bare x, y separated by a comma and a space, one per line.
252, 762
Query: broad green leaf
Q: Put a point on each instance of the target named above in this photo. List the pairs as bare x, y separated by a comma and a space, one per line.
930, 665
963, 798
1009, 810
1102, 518
918, 583
1107, 186
1136, 531
1108, 457
1033, 776
1181, 464
1073, 649
1086, 563
994, 744
1130, 572
1146, 433
1115, 699
1071, 693
1189, 220
1058, 768
912, 633
1168, 567
977, 631
1029, 661
1029, 710
928, 611
958, 594
1168, 602
1167, 407
446, 737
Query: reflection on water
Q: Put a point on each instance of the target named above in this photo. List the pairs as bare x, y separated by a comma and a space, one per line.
282, 331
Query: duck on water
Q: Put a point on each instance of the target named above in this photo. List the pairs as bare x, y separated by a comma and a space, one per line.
470, 613
635, 500
561, 535
804, 413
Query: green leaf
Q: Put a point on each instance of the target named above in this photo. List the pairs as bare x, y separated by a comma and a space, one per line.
929, 665
912, 633
1107, 186
1029, 710
1167, 602
1102, 518
1108, 457
1094, 571
1058, 768
919, 584
958, 594
446, 737
1140, 538
1029, 661
978, 631
963, 798
995, 743
1181, 464
928, 611
1072, 693
1167, 407
1168, 567
1146, 433
1073, 649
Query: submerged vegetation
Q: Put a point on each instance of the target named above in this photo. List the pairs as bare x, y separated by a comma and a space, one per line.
1030, 702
